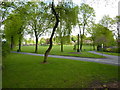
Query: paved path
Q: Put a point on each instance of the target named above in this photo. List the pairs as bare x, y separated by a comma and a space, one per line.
108, 56
113, 61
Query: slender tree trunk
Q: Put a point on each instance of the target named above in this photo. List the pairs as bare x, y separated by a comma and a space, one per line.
54, 29
98, 47
61, 44
93, 45
36, 45
11, 42
61, 37
19, 49
81, 44
80, 36
20, 38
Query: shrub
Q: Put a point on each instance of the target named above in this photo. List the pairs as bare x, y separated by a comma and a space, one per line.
115, 50
108, 49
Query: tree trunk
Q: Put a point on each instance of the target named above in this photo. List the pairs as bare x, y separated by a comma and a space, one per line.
19, 50
36, 45
81, 44
20, 38
98, 47
118, 42
11, 46
54, 29
61, 44
80, 35
93, 45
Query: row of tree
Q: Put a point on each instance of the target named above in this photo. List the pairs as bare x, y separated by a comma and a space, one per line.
38, 18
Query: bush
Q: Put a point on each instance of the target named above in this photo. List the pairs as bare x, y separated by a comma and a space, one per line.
115, 50
108, 49
5, 49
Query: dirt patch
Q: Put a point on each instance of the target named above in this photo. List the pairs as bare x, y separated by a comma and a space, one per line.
97, 84
75, 52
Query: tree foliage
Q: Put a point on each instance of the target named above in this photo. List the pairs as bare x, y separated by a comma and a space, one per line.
66, 11
85, 18
39, 19
101, 35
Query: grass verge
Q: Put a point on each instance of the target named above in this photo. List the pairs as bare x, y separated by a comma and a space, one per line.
110, 53
67, 51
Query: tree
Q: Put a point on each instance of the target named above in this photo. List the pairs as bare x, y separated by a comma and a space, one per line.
117, 18
110, 23
15, 17
53, 32
118, 31
107, 21
86, 16
5, 9
11, 28
39, 20
21, 13
68, 19
101, 35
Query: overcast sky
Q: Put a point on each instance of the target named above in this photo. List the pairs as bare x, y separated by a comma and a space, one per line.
101, 7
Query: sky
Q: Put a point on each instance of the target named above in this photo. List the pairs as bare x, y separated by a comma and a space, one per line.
101, 7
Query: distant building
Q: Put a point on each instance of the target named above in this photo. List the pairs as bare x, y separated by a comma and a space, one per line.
88, 41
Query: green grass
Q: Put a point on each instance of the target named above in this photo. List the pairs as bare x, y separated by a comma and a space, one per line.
0, 71
110, 53
67, 49
0, 78
25, 71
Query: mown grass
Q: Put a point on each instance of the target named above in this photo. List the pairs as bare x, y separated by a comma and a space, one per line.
26, 71
110, 53
67, 51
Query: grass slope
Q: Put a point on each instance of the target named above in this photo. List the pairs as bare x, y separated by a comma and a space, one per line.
25, 71
56, 51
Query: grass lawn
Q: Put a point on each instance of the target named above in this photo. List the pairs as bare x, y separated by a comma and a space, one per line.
110, 53
67, 51
0, 78
25, 71
0, 69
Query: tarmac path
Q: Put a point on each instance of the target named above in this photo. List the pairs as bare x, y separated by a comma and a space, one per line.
113, 60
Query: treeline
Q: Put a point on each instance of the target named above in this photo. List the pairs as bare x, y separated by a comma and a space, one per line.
58, 20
